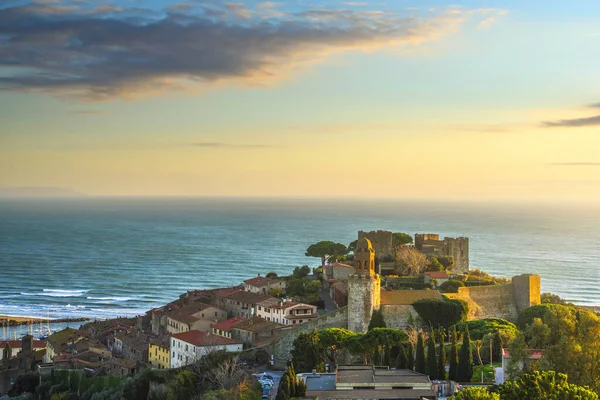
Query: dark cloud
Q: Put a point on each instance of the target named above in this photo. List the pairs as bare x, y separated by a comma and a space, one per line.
576, 122
578, 164
110, 51
222, 145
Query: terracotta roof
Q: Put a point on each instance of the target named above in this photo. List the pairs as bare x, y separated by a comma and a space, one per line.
248, 297
437, 274
255, 323
407, 297
16, 344
260, 281
338, 265
227, 325
199, 338
227, 292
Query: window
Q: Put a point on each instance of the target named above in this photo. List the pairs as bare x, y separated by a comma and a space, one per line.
215, 313
186, 347
202, 315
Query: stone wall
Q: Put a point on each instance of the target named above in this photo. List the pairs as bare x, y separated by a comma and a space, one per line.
396, 316
381, 241
458, 248
496, 301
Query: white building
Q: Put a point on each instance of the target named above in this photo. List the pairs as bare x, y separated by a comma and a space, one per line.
16, 345
190, 346
286, 312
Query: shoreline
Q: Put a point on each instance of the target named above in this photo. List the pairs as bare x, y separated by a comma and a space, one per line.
13, 320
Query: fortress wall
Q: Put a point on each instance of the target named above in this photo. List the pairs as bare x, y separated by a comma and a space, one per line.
396, 316
363, 296
495, 301
527, 290
381, 241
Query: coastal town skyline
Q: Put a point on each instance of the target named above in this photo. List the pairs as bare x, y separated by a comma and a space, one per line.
302, 98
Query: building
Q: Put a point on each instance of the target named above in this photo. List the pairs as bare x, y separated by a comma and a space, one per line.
363, 287
242, 303
15, 347
197, 317
225, 328
381, 241
339, 293
159, 354
285, 312
439, 276
336, 272
254, 331
533, 356
262, 285
67, 340
366, 382
457, 248
188, 347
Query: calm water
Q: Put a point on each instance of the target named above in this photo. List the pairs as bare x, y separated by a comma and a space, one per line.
106, 257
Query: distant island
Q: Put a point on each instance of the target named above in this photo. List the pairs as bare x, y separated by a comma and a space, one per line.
39, 191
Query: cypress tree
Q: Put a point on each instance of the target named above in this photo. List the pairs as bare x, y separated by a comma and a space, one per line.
465, 359
410, 362
284, 390
452, 373
442, 359
420, 358
377, 320
431, 363
402, 359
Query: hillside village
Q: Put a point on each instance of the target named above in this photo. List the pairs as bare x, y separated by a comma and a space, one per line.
260, 319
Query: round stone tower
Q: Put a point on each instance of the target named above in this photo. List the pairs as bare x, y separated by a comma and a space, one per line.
363, 287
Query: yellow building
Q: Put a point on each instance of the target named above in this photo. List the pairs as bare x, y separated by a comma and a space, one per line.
159, 355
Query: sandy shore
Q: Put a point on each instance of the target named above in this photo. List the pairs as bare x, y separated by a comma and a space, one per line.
19, 319
24, 320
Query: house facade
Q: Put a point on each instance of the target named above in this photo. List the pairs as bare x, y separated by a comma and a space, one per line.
286, 312
225, 328
189, 347
199, 318
262, 285
159, 354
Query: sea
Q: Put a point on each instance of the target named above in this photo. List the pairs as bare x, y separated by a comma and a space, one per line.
104, 257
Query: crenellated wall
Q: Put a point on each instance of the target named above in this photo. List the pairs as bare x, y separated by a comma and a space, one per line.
381, 241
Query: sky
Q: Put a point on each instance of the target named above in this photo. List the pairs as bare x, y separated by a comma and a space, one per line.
407, 99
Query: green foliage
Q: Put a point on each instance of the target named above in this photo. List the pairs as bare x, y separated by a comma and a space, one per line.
352, 245
402, 358
441, 313
549, 298
453, 371
326, 249
377, 320
434, 265
450, 286
475, 393
544, 385
301, 272
271, 274
401, 239
25, 383
411, 357
303, 289
541, 311
446, 261
332, 341
308, 352
482, 327
420, 365
290, 386
431, 367
465, 359
183, 387
441, 371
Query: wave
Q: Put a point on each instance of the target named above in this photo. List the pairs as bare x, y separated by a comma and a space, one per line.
62, 291
110, 298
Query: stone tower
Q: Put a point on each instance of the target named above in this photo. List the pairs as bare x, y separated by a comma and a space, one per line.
363, 287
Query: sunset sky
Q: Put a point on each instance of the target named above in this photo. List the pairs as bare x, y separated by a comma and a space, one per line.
486, 99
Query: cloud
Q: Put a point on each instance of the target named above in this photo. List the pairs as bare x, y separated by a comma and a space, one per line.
595, 105
576, 122
222, 145
107, 52
578, 164
87, 112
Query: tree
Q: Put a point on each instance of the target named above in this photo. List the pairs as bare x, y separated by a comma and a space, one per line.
377, 320
446, 261
326, 249
434, 265
410, 261
272, 274
402, 359
301, 272
441, 313
307, 352
544, 385
549, 298
465, 359
450, 286
333, 340
410, 364
431, 368
420, 359
442, 358
475, 393
452, 372
352, 245
401, 239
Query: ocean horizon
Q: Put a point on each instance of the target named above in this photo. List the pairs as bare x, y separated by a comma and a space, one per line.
103, 257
